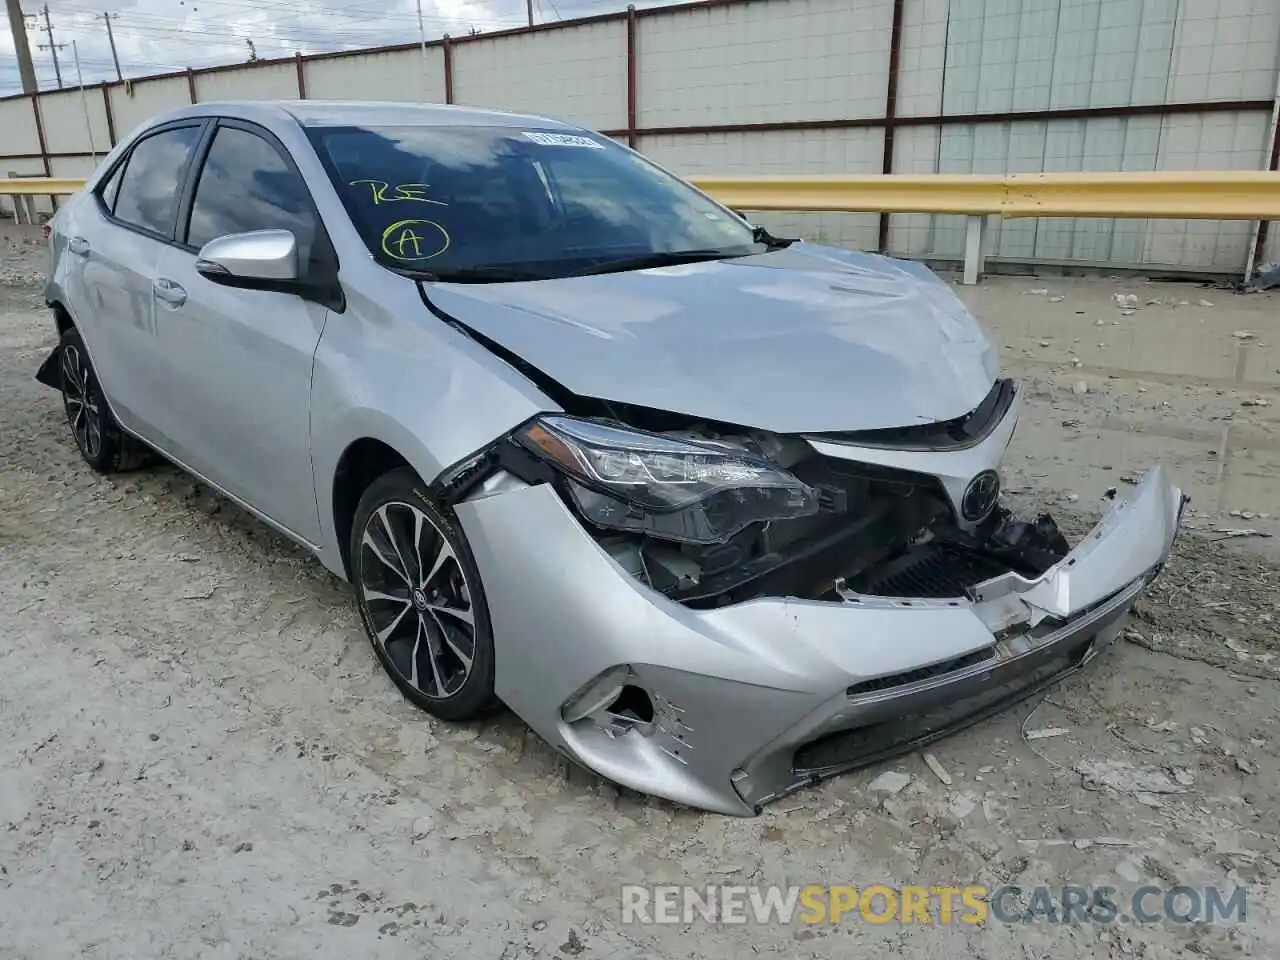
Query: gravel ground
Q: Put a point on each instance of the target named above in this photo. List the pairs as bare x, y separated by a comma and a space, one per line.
200, 758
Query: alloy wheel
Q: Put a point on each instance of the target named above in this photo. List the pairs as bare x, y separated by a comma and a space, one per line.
417, 600
81, 401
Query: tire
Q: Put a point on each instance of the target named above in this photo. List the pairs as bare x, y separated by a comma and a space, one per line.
103, 444
418, 625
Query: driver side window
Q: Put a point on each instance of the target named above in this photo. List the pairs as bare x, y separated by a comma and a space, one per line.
246, 185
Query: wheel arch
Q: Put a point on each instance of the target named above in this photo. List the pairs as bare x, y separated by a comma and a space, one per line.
361, 462
61, 316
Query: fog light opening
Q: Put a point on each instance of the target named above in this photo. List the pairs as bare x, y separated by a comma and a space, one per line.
632, 704
613, 703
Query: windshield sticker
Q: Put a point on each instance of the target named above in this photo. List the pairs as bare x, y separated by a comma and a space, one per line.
563, 140
412, 241
403, 191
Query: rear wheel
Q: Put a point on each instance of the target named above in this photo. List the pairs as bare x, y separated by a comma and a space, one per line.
420, 599
101, 441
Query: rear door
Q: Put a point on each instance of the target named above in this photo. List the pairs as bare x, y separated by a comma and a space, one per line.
114, 246
238, 362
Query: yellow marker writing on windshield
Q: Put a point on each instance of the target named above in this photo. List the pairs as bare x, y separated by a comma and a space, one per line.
414, 240
403, 191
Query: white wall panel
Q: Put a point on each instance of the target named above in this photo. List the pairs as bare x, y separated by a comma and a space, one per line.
397, 75
577, 74
277, 81
1271, 250
134, 104
802, 152
78, 167
18, 132
66, 128
1041, 54
922, 58
1225, 50
915, 150
1215, 141
767, 61
1104, 143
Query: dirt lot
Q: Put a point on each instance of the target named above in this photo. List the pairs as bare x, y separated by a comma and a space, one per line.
200, 758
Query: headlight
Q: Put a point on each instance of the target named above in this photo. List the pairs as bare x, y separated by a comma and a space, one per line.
699, 492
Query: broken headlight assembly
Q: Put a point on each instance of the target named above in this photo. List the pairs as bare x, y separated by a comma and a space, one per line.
666, 487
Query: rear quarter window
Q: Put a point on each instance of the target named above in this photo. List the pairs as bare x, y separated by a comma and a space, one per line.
110, 187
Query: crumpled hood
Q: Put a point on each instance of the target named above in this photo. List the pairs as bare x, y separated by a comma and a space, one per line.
807, 339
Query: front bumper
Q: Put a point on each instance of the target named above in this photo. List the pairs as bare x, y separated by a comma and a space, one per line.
754, 700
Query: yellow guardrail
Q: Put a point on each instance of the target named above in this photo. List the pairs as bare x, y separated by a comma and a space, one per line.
1181, 195
39, 186
935, 193
1198, 194
1193, 194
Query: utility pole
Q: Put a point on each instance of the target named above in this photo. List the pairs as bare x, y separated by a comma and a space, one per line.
528, 5
48, 26
106, 18
18, 27
422, 36
84, 101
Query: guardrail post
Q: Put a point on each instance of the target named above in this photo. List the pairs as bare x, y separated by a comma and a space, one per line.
22, 204
975, 248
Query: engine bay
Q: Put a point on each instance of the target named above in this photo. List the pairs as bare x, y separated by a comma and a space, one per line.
877, 532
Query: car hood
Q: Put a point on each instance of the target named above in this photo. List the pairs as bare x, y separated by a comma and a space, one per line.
806, 339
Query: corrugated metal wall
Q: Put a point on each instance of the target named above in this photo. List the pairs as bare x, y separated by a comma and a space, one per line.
1002, 56
801, 86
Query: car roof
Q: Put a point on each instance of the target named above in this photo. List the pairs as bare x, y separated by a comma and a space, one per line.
363, 112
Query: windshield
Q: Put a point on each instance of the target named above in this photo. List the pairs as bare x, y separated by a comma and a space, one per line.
477, 203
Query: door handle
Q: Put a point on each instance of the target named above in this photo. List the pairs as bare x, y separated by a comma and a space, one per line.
79, 246
170, 292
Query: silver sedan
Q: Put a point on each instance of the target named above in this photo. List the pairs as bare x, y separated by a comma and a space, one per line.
717, 513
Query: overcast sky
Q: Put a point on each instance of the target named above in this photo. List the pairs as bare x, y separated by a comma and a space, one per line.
155, 36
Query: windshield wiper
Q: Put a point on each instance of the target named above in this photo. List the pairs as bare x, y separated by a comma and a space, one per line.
761, 235
477, 275
648, 260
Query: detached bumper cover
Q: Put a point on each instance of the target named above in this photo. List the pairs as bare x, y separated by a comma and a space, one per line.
757, 699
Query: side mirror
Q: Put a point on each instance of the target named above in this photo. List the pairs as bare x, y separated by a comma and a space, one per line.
259, 259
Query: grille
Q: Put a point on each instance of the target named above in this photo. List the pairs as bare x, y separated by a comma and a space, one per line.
860, 746
930, 571
922, 673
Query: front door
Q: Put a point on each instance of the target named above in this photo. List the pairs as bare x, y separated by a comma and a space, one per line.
239, 361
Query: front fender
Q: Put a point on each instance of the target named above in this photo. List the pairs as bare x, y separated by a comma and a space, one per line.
389, 370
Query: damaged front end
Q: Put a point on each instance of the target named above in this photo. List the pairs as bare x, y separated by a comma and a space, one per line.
711, 516
799, 605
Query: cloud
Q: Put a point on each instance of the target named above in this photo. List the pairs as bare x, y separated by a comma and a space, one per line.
157, 36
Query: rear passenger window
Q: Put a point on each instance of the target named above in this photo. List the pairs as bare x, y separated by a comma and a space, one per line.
109, 189
148, 193
247, 185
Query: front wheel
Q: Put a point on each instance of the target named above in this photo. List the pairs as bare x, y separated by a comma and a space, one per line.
420, 599
101, 441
